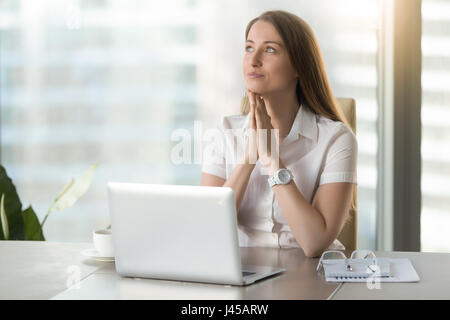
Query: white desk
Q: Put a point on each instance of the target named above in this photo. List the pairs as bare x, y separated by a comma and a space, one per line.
40, 269
45, 270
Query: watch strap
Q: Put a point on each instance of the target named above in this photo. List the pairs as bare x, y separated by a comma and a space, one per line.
272, 181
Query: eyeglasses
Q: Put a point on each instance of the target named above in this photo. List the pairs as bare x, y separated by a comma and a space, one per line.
339, 255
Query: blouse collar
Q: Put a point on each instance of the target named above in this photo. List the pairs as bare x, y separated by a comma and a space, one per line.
305, 124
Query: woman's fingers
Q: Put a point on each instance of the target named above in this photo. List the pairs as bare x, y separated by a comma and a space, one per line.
258, 116
261, 116
252, 147
260, 138
252, 115
251, 98
259, 111
263, 125
263, 105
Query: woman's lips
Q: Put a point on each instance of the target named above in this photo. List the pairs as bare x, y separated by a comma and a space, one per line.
253, 75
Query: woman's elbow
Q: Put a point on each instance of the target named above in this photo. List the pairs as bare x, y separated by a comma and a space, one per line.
312, 253
315, 247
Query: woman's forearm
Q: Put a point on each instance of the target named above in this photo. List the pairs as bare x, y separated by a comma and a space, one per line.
307, 224
238, 181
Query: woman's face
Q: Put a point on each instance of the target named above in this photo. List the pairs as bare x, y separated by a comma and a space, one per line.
266, 64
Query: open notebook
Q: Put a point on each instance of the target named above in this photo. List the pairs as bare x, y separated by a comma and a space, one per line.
363, 270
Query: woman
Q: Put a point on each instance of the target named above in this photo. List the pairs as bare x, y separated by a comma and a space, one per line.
296, 189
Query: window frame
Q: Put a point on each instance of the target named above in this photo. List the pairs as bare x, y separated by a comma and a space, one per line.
399, 196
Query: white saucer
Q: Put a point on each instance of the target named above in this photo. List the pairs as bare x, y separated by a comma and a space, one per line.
93, 253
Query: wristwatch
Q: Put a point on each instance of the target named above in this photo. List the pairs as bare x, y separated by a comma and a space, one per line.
282, 176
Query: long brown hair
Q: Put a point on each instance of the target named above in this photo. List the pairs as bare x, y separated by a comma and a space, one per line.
313, 88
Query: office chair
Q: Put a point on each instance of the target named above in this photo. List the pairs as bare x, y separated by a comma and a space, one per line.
348, 236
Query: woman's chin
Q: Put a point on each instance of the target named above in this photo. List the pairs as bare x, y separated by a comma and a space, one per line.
255, 89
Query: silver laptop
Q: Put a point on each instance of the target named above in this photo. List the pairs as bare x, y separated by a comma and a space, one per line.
171, 232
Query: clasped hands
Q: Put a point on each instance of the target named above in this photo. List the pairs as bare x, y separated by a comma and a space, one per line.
263, 139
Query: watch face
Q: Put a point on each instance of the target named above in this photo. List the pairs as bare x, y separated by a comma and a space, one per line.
284, 176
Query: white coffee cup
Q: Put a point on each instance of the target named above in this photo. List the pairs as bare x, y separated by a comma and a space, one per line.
103, 242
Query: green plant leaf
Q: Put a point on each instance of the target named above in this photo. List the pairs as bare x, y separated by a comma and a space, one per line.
33, 230
65, 189
4, 219
12, 206
73, 191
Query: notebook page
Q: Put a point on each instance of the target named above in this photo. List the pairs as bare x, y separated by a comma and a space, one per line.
361, 268
401, 270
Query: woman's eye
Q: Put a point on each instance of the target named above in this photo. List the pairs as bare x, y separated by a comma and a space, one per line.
268, 48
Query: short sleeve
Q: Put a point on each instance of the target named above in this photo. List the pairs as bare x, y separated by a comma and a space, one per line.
213, 160
341, 159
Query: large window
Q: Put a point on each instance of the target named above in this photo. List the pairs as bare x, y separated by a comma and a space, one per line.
435, 216
108, 82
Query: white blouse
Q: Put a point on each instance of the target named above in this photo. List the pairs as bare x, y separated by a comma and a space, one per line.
317, 151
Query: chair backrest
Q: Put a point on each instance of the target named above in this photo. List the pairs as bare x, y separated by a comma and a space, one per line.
349, 233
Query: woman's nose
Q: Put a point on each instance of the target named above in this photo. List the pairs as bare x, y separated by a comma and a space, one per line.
255, 60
